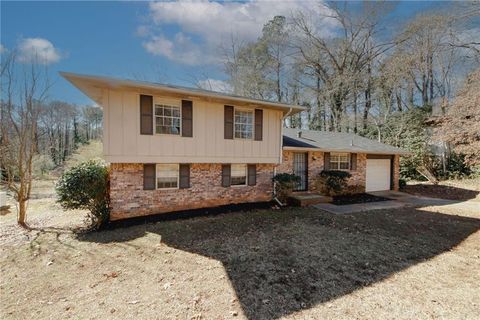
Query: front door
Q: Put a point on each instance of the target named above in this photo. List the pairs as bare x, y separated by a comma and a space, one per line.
300, 166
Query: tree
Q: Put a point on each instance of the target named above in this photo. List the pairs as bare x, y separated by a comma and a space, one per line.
461, 125
24, 90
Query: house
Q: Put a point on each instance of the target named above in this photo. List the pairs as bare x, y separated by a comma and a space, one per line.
172, 148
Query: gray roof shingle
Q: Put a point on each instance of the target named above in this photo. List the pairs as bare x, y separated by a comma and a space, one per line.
336, 141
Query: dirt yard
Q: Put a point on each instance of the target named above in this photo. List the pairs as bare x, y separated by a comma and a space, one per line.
269, 264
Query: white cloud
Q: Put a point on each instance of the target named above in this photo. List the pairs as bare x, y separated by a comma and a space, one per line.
212, 23
38, 49
215, 85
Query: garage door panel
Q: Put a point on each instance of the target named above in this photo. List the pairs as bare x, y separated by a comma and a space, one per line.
377, 175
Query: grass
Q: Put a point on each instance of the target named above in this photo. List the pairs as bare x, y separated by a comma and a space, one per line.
267, 264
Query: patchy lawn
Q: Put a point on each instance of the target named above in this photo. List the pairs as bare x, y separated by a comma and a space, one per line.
468, 189
268, 264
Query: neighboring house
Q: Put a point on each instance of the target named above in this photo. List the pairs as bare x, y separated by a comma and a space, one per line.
172, 148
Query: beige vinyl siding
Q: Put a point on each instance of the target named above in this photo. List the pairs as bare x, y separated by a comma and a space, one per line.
124, 144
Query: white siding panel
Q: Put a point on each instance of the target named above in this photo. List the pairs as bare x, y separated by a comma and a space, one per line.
116, 120
130, 111
123, 142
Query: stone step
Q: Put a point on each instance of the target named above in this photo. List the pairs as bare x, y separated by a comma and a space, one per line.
304, 199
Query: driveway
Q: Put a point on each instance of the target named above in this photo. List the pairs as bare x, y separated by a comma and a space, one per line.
398, 200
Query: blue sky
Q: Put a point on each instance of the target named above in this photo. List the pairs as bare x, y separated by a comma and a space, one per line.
169, 42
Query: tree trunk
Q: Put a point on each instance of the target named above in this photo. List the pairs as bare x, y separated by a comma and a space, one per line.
22, 212
355, 129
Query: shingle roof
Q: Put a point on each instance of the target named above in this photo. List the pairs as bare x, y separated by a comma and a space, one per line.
336, 141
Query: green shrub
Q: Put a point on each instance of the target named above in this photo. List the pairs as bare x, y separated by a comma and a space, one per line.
284, 184
333, 182
402, 183
85, 186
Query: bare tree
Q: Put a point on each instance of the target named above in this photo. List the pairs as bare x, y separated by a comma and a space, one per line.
24, 89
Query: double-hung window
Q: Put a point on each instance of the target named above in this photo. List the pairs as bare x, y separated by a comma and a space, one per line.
339, 161
167, 176
238, 174
167, 119
243, 124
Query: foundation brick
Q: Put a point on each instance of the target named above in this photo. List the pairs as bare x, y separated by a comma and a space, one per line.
128, 199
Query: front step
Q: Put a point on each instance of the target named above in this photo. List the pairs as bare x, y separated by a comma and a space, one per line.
304, 199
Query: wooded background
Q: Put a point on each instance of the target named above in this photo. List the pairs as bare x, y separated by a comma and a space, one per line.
374, 76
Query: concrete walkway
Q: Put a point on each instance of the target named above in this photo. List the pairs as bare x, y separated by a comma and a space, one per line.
399, 200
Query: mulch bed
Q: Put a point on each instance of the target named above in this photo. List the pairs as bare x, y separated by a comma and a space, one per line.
357, 198
441, 191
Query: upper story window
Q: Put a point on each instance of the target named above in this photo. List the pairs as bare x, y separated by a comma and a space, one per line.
167, 119
243, 124
167, 176
238, 174
339, 161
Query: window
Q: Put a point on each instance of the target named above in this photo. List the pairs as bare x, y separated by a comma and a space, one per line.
243, 124
167, 176
167, 119
339, 161
238, 174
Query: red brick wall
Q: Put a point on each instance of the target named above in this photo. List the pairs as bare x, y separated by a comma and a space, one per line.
315, 166
396, 172
128, 199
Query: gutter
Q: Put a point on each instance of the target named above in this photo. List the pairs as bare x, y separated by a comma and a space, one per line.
281, 133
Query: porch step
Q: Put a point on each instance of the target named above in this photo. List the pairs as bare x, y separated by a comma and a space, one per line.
304, 199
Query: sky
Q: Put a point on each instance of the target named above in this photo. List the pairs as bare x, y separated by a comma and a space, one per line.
174, 42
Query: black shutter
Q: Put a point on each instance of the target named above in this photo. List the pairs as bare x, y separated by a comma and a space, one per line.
149, 176
258, 124
187, 118
184, 176
326, 161
146, 114
228, 122
252, 174
226, 175
353, 161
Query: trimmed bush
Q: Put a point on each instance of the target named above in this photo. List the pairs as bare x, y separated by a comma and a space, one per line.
284, 184
333, 182
402, 183
85, 186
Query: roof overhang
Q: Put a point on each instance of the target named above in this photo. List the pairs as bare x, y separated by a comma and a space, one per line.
93, 86
346, 150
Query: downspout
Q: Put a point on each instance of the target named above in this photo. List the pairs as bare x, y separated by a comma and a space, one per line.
280, 158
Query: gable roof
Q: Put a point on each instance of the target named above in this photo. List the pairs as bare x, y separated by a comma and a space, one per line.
91, 85
335, 141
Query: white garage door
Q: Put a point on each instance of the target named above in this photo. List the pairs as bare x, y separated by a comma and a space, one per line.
378, 175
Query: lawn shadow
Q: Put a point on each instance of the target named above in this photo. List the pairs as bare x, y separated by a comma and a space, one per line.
280, 262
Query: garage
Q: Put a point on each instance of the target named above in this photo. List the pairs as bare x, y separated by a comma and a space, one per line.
377, 175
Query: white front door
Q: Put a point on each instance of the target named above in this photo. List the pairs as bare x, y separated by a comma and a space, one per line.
378, 175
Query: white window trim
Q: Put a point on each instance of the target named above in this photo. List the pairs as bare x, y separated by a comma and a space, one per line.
253, 123
170, 103
338, 166
246, 175
156, 177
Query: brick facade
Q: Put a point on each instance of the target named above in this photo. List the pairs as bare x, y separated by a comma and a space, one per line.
128, 199
396, 172
315, 165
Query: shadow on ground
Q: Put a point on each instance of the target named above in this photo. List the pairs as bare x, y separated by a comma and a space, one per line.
441, 191
284, 261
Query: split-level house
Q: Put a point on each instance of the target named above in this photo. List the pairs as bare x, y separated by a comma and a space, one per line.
172, 148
